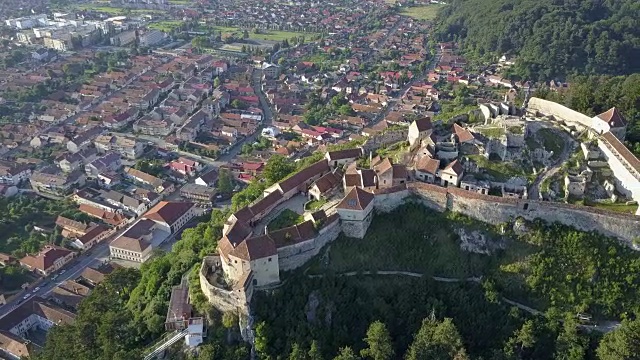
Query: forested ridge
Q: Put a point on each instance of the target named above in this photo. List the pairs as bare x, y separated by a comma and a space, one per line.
551, 38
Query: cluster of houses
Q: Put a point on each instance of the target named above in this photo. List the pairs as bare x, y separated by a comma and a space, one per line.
285, 16
42, 313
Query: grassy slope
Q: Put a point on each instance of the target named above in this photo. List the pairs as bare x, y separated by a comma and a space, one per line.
428, 12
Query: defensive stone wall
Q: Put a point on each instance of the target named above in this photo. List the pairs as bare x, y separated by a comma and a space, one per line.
558, 111
431, 196
496, 210
387, 200
356, 228
386, 138
221, 299
294, 256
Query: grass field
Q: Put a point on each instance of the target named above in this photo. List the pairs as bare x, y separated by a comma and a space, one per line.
285, 219
273, 35
617, 207
499, 170
314, 205
115, 11
416, 239
165, 25
427, 12
412, 238
551, 141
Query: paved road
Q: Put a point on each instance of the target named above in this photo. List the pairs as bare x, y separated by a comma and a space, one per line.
95, 257
71, 272
233, 152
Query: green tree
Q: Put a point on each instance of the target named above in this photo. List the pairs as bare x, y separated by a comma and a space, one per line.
379, 342
238, 104
229, 319
262, 341
346, 109
622, 343
297, 353
346, 353
521, 342
207, 352
569, 344
225, 181
314, 351
216, 82
277, 168
437, 341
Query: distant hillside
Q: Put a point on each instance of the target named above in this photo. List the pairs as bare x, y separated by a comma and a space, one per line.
552, 38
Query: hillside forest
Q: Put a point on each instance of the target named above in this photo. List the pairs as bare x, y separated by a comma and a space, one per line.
552, 39
593, 45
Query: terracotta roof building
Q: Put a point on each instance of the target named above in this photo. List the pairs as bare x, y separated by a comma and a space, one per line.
33, 313
94, 235
357, 199
613, 118
48, 260
135, 243
171, 216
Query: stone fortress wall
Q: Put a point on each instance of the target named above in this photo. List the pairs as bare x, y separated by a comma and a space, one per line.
496, 210
487, 208
294, 256
560, 112
385, 138
228, 300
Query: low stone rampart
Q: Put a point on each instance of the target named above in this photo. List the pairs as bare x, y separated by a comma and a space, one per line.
294, 256
496, 210
560, 112
387, 200
386, 138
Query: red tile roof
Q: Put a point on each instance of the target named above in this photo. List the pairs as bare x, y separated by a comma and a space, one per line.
293, 234
106, 216
356, 199
613, 118
345, 154
168, 212
454, 166
266, 202
622, 150
428, 165
45, 258
463, 134
328, 181
92, 233
255, 248
304, 175
423, 124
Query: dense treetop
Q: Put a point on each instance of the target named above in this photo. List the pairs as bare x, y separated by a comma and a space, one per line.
552, 38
